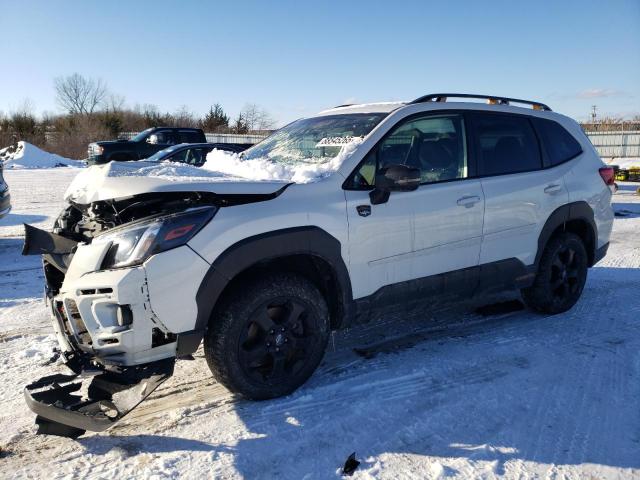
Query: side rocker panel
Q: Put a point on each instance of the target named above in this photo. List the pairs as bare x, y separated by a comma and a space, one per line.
260, 248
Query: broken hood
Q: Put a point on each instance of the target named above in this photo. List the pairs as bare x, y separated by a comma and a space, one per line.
125, 179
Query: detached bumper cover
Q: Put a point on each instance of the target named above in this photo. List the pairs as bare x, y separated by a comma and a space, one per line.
40, 242
95, 400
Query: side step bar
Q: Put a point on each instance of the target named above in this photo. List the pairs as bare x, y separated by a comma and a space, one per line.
69, 405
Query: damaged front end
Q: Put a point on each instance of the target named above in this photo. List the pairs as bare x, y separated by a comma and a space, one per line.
98, 291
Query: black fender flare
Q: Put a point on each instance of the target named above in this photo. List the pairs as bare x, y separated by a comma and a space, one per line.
571, 211
309, 240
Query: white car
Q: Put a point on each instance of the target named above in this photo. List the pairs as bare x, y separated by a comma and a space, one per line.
316, 227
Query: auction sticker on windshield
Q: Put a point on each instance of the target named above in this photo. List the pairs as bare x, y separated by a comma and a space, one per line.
337, 141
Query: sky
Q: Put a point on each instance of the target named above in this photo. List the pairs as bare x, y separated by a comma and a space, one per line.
295, 58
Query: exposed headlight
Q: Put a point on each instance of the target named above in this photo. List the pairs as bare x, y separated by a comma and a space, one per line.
134, 243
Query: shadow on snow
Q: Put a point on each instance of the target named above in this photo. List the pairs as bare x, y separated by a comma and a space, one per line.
550, 390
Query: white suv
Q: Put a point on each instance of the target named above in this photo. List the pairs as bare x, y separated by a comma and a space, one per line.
328, 219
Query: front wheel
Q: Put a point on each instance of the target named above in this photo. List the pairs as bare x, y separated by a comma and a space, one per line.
268, 337
561, 275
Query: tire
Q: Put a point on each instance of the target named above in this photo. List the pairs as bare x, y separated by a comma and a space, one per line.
268, 336
561, 275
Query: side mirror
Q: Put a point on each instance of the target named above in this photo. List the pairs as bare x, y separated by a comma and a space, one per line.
394, 178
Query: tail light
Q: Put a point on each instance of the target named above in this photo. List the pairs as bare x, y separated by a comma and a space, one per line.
608, 177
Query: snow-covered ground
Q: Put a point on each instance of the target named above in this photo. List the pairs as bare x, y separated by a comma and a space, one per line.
421, 394
25, 155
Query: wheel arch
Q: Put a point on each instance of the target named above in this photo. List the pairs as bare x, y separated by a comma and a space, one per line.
310, 251
577, 218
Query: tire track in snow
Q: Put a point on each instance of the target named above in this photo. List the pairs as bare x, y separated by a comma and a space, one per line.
491, 332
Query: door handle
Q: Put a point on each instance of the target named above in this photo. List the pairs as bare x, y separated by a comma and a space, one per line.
468, 201
552, 188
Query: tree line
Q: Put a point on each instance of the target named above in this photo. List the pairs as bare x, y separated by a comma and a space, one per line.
92, 112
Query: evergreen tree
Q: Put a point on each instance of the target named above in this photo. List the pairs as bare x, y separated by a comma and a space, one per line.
215, 121
240, 125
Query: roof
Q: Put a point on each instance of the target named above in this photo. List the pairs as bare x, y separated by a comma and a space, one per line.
440, 100
379, 107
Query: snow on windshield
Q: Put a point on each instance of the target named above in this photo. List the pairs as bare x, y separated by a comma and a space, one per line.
304, 151
264, 168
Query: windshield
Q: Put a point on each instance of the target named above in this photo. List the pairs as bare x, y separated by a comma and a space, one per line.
158, 156
314, 141
142, 135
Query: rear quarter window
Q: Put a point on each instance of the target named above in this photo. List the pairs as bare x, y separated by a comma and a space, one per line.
190, 137
558, 144
507, 144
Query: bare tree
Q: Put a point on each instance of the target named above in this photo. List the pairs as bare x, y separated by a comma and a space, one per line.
114, 103
79, 95
183, 117
256, 118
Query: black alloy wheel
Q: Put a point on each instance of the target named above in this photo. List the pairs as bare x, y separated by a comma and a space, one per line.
276, 340
268, 336
561, 276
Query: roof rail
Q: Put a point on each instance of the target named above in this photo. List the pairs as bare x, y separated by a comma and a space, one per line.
442, 97
344, 105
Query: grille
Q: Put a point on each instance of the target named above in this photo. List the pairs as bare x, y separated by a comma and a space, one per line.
81, 340
78, 324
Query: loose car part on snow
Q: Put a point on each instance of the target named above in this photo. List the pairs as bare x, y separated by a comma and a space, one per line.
94, 399
350, 465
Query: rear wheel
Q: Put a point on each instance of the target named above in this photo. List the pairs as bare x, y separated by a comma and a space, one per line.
561, 275
267, 338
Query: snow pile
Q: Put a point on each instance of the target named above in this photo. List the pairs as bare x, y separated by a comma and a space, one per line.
232, 164
26, 155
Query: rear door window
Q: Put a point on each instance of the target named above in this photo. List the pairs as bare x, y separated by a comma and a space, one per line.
187, 136
559, 145
507, 144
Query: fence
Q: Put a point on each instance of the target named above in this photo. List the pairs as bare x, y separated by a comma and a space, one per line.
215, 137
616, 144
233, 138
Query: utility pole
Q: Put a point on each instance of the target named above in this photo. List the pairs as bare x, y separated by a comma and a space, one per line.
593, 113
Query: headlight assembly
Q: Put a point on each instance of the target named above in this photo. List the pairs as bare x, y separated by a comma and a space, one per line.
134, 243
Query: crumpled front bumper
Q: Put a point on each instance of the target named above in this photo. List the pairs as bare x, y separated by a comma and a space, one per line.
108, 332
110, 338
68, 405
108, 315
128, 316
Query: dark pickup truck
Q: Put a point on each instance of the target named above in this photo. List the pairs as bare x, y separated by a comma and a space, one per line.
143, 145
